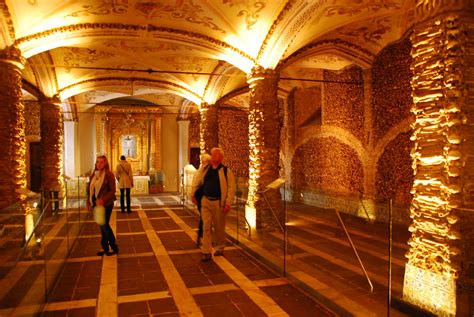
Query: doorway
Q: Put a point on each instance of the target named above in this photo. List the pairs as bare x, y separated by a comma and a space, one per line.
35, 167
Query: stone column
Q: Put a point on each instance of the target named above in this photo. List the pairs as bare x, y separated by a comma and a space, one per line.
264, 143
158, 142
12, 128
208, 128
52, 131
438, 275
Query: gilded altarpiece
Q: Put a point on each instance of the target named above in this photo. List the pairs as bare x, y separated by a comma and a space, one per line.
131, 131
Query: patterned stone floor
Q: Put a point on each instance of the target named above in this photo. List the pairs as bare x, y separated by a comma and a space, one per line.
158, 272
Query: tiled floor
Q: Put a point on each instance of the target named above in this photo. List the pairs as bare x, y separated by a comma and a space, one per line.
159, 273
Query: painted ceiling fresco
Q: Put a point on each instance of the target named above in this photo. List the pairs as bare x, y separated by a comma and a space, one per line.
195, 50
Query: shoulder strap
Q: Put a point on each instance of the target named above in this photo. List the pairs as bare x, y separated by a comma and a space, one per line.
124, 169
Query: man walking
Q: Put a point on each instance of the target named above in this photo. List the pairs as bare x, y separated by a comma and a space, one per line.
125, 178
218, 194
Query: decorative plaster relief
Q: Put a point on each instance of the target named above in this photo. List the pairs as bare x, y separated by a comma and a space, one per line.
8, 20
117, 7
185, 63
353, 7
78, 56
145, 47
371, 31
182, 10
251, 10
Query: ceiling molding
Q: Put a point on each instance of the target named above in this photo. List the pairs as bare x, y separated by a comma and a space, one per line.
6, 23
274, 26
97, 84
36, 43
285, 29
218, 82
350, 51
45, 76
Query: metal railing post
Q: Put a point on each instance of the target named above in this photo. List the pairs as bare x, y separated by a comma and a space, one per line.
354, 250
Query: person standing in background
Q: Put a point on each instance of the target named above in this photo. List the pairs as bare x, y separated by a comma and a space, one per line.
101, 192
125, 178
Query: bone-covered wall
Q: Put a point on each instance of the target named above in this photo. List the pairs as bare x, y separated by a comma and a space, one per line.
234, 140
391, 90
391, 103
194, 135
326, 165
394, 177
344, 100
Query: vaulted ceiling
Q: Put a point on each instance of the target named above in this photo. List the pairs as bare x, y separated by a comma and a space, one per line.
180, 53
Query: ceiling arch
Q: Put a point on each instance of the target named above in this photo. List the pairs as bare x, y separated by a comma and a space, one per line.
195, 49
125, 84
344, 54
75, 35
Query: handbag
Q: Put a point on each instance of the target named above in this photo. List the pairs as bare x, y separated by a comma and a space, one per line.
99, 215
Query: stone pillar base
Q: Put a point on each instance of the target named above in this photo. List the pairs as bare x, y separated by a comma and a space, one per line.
431, 291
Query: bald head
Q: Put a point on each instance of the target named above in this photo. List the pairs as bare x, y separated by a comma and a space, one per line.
217, 156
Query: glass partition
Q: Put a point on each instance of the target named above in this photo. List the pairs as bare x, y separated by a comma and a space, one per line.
344, 249
35, 246
349, 244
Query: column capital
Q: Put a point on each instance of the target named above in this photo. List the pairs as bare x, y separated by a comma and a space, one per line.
12, 55
259, 73
204, 106
427, 9
54, 100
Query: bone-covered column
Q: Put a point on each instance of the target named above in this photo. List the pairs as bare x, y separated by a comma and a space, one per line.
264, 146
52, 132
12, 128
208, 128
441, 255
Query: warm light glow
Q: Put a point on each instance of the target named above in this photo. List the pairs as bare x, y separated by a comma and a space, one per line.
251, 216
29, 225
239, 61
431, 291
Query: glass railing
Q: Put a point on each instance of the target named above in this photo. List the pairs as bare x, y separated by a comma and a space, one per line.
348, 250
36, 246
327, 243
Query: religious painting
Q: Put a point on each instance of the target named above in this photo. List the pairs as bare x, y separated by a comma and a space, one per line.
129, 146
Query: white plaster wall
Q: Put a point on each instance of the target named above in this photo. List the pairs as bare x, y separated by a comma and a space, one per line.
70, 149
169, 136
86, 143
183, 154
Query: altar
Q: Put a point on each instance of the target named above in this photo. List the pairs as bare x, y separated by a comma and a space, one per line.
76, 187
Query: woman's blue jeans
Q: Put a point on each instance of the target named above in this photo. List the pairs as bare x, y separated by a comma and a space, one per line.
108, 237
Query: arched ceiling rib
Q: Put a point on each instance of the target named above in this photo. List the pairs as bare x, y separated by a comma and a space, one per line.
73, 35
130, 86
